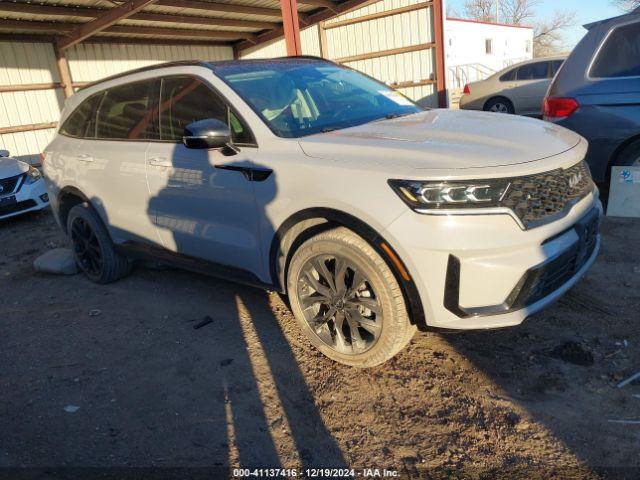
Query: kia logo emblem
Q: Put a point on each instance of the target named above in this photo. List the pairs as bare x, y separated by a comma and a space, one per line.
575, 180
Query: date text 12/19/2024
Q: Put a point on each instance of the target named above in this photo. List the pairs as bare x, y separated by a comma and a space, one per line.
314, 473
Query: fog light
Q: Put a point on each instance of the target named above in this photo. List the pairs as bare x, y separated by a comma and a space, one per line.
45, 197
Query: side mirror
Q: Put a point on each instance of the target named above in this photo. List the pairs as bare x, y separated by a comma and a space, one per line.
4, 153
207, 133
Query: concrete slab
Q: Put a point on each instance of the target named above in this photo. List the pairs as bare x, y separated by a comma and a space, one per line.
59, 261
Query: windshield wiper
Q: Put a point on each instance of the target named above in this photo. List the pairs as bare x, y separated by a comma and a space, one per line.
390, 116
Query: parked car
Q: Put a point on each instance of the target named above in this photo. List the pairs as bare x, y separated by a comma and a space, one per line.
517, 89
374, 215
22, 188
597, 94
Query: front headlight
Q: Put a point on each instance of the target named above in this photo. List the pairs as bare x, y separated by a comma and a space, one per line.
33, 175
450, 194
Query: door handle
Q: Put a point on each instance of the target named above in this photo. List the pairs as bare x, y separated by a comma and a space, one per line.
84, 157
159, 162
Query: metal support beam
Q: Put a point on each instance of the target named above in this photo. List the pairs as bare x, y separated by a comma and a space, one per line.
438, 30
104, 21
220, 7
323, 14
291, 26
63, 71
83, 12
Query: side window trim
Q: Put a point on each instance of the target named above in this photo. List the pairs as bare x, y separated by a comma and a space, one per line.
599, 51
223, 100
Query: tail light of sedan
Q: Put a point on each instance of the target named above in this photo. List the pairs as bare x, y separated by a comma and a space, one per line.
559, 107
467, 90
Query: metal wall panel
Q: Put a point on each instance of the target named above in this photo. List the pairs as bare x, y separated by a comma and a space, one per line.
90, 62
309, 41
387, 33
28, 63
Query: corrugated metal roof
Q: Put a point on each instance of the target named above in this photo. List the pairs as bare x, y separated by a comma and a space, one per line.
51, 17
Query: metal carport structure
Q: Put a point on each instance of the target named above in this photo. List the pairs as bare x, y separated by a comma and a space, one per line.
238, 26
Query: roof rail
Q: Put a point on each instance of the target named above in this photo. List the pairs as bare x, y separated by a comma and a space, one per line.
177, 63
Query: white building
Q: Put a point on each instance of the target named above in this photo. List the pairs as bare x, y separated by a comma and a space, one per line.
475, 50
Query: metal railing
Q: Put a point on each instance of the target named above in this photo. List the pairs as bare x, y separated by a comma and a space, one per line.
459, 75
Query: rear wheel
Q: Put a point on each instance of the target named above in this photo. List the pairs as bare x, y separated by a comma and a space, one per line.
92, 246
499, 105
347, 300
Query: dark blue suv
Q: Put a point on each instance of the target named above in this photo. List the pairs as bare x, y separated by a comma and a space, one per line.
596, 93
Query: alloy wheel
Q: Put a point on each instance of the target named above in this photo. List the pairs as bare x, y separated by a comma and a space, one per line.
339, 304
86, 247
499, 107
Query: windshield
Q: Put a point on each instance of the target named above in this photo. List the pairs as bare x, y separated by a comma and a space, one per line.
298, 98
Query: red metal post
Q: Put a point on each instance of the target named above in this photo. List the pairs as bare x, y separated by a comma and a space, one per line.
291, 26
438, 28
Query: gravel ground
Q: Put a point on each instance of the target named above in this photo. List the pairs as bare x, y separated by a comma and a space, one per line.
105, 376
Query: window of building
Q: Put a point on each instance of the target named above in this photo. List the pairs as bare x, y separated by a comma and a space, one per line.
488, 46
528, 46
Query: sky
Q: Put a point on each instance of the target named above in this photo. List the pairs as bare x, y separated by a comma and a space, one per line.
587, 11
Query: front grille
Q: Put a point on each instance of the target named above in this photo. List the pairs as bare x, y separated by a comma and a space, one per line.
537, 199
544, 280
17, 207
538, 282
8, 185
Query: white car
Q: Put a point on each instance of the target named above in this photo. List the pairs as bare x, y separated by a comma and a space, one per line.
376, 216
22, 188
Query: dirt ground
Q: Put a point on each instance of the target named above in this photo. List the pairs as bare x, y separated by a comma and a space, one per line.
105, 376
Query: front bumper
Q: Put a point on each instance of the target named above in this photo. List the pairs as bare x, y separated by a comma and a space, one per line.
484, 271
25, 198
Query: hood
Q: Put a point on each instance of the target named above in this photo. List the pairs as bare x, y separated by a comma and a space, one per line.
444, 139
10, 167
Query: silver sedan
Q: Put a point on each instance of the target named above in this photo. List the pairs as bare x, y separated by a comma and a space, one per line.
517, 89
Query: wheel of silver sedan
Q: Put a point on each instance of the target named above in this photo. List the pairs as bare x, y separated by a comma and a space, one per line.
339, 304
499, 107
347, 300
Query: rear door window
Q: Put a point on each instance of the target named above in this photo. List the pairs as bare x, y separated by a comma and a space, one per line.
620, 55
126, 113
533, 71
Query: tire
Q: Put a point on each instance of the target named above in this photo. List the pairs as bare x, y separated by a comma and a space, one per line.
499, 105
369, 336
630, 156
92, 247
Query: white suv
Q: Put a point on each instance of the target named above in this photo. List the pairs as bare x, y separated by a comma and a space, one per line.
377, 217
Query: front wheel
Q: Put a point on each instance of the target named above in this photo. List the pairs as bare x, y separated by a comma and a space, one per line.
347, 300
92, 246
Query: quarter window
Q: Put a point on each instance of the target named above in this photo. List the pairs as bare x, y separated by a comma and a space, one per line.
509, 76
81, 121
620, 55
125, 113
